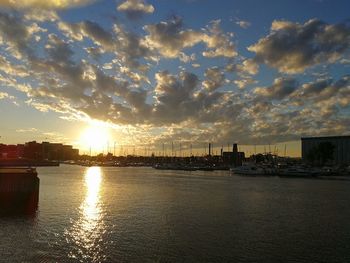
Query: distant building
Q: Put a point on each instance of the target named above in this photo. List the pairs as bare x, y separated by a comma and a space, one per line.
39, 151
233, 158
340, 149
9, 151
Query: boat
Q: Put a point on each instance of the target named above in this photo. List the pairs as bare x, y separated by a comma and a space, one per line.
205, 168
248, 169
296, 171
175, 166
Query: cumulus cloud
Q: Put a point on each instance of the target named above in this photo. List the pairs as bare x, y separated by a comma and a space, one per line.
322, 90
186, 59
85, 70
179, 99
248, 66
8, 97
243, 24
135, 8
172, 91
15, 33
49, 4
215, 78
293, 47
4, 95
281, 88
12, 70
130, 48
219, 43
58, 50
87, 29
41, 15
244, 82
169, 39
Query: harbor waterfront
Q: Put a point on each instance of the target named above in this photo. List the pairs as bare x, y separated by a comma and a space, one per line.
140, 214
174, 131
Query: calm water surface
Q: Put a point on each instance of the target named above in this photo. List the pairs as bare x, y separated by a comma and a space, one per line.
145, 215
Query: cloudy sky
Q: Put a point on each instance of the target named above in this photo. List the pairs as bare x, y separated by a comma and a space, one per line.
162, 71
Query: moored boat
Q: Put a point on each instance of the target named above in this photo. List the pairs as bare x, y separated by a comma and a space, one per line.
296, 171
248, 169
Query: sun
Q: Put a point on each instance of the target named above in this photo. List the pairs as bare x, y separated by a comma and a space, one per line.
95, 137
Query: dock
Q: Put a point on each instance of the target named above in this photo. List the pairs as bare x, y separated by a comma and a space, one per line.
19, 190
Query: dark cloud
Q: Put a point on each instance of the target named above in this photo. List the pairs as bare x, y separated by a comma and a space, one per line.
281, 88
293, 47
88, 29
58, 50
131, 48
324, 90
14, 32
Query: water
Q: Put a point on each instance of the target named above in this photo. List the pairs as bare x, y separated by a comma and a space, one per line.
146, 215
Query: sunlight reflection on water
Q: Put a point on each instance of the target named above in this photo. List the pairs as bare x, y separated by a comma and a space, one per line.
91, 209
87, 231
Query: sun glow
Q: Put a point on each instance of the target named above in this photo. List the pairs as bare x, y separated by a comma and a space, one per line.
95, 137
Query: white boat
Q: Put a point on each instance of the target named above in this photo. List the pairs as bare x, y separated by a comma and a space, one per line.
295, 171
248, 169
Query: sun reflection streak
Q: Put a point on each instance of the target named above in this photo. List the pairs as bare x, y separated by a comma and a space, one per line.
88, 230
91, 206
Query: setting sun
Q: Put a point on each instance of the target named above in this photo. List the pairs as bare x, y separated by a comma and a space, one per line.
95, 137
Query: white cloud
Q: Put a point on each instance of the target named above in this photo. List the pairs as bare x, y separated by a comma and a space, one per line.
4, 95
135, 8
41, 15
243, 24
169, 39
49, 4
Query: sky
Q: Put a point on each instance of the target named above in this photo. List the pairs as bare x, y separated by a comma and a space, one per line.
147, 73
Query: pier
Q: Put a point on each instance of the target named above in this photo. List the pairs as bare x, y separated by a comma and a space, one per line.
19, 190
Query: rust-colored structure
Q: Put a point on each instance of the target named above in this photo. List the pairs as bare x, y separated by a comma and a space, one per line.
19, 190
